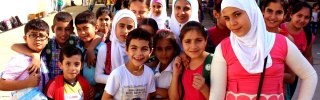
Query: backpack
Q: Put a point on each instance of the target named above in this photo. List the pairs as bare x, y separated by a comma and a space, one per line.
108, 66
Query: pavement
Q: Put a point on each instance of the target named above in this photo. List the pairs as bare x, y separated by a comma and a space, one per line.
16, 36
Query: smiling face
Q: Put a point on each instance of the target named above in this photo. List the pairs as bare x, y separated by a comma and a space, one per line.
156, 8
138, 51
182, 11
86, 31
301, 18
237, 20
104, 21
71, 66
123, 27
273, 15
194, 43
36, 40
62, 31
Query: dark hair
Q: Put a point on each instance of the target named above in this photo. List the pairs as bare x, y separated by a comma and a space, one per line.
63, 17
85, 17
190, 26
314, 5
139, 33
146, 2
69, 51
166, 34
36, 24
299, 5
283, 3
102, 10
217, 5
151, 22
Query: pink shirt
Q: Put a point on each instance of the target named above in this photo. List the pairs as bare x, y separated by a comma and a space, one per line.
191, 93
240, 81
16, 69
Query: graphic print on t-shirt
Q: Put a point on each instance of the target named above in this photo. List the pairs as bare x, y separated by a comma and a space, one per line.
138, 92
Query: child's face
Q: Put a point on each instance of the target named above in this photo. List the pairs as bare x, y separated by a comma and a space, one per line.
148, 28
237, 20
219, 17
139, 9
182, 11
104, 21
123, 27
138, 51
62, 31
86, 31
301, 18
156, 9
273, 14
164, 51
71, 66
194, 43
36, 40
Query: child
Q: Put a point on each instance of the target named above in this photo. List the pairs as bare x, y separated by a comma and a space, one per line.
196, 76
63, 28
220, 30
15, 76
140, 8
60, 2
133, 80
315, 18
165, 48
303, 39
70, 85
182, 12
104, 19
252, 59
92, 3
159, 12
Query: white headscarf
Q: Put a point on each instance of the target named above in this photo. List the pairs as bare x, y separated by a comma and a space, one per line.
175, 26
118, 53
161, 19
252, 48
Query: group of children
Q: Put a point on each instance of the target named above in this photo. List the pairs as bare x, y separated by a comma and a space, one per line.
138, 54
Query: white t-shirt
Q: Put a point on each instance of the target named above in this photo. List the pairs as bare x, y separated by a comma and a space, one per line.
123, 85
163, 79
99, 75
314, 16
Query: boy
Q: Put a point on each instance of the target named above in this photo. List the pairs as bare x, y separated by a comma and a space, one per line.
132, 80
15, 76
86, 28
70, 85
63, 28
140, 8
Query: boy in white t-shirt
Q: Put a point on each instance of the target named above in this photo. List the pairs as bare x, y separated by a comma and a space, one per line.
132, 80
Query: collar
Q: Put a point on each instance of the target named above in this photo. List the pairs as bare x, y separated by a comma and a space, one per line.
168, 69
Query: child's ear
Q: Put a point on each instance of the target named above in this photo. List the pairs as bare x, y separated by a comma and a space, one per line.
52, 28
96, 27
60, 65
25, 38
216, 14
126, 48
151, 52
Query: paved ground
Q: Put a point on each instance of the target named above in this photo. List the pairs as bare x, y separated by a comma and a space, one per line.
15, 36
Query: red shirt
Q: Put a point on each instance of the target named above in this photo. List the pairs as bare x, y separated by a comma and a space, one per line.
191, 93
217, 35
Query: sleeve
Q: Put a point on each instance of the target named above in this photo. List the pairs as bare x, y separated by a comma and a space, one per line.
301, 67
113, 82
100, 76
151, 86
16, 67
50, 89
218, 76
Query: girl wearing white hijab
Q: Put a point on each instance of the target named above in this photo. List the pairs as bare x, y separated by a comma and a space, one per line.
159, 18
239, 60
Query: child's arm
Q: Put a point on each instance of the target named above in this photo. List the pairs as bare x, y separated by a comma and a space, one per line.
106, 96
11, 85
23, 48
289, 76
91, 57
199, 84
175, 86
308, 54
160, 91
99, 75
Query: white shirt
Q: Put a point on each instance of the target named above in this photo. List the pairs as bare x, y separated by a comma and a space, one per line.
99, 75
123, 85
163, 79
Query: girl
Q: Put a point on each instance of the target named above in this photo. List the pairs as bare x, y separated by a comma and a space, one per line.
196, 76
140, 8
303, 39
315, 18
104, 18
183, 11
165, 48
251, 50
124, 21
159, 12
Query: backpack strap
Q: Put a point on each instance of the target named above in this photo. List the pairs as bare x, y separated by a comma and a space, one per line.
49, 52
107, 64
206, 69
85, 86
59, 88
308, 36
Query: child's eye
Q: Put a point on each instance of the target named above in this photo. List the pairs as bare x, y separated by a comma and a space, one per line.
279, 12
129, 27
68, 64
269, 10
226, 18
238, 14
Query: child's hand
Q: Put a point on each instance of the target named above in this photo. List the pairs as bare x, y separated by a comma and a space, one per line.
33, 79
91, 58
198, 82
185, 59
92, 93
35, 63
177, 67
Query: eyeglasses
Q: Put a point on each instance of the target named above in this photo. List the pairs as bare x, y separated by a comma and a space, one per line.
34, 36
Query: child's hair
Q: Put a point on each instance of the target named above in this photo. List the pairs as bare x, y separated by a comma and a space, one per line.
190, 26
298, 6
166, 34
63, 17
69, 51
147, 2
36, 24
283, 3
314, 5
141, 34
86, 17
102, 10
149, 21
217, 5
